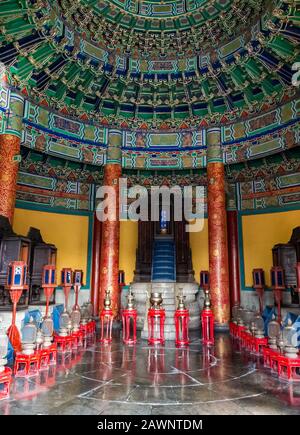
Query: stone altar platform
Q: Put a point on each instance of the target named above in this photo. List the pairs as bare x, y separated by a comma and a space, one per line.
169, 291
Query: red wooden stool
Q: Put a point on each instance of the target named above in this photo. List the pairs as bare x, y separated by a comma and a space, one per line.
91, 327
267, 354
44, 359
84, 330
244, 337
258, 344
250, 343
77, 339
53, 354
274, 362
5, 382
26, 365
287, 368
239, 330
64, 344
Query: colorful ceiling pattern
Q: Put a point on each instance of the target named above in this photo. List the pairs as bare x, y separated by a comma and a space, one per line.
152, 64
158, 28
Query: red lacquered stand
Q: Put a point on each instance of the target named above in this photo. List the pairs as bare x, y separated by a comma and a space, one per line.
266, 356
106, 320
84, 330
258, 345
274, 360
16, 283
287, 368
182, 327
91, 327
259, 286
26, 365
207, 321
44, 359
53, 354
239, 331
246, 339
13, 332
278, 286
66, 283
77, 339
48, 356
48, 283
156, 317
64, 344
5, 382
129, 317
250, 342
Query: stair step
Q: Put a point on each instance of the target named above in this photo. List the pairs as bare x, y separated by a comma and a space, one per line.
163, 266
163, 260
163, 276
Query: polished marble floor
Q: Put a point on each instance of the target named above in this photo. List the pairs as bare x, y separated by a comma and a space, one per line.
115, 380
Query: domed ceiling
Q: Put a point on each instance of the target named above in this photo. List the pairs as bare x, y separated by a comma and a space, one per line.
160, 29
149, 63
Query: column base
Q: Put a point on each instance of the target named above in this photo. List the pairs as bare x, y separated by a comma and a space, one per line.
221, 327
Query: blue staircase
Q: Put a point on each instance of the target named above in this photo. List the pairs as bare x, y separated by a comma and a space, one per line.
163, 265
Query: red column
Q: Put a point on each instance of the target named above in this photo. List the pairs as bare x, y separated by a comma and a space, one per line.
110, 243
217, 231
109, 263
9, 148
96, 266
233, 257
11, 121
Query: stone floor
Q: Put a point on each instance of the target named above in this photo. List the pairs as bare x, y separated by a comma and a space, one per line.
115, 380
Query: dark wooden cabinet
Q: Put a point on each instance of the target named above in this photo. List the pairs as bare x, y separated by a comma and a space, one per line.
12, 248
295, 240
287, 255
284, 255
143, 267
41, 254
184, 265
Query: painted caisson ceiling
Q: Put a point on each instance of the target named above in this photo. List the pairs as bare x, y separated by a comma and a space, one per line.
152, 64
160, 30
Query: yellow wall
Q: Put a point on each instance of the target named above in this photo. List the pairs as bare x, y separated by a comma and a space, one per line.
128, 247
69, 233
199, 246
260, 233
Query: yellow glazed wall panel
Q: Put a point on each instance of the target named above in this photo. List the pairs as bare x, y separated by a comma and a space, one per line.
69, 233
199, 246
260, 233
128, 247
